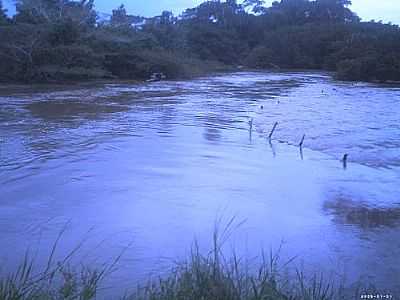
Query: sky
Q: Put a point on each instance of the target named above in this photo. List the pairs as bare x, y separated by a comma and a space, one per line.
385, 10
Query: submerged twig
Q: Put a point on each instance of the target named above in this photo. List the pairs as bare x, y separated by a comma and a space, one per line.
301, 153
272, 148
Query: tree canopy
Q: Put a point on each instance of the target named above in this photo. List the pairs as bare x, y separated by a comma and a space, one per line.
3, 16
52, 40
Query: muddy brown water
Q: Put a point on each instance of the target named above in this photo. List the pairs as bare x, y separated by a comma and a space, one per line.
156, 164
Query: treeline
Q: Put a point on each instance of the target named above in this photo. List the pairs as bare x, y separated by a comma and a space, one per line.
54, 40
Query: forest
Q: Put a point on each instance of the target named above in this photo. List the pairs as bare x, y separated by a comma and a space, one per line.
64, 40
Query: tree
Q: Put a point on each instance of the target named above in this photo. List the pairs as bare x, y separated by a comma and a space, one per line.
3, 15
61, 39
256, 6
119, 17
52, 11
18, 52
167, 18
333, 11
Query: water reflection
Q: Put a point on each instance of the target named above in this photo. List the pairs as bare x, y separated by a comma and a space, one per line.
66, 110
212, 134
365, 216
272, 147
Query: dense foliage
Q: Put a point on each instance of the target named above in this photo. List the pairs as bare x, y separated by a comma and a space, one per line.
51, 40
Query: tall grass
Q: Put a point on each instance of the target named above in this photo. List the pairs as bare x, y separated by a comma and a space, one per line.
214, 277
56, 280
209, 276
61, 282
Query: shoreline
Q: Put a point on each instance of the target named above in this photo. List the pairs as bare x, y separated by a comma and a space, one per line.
61, 85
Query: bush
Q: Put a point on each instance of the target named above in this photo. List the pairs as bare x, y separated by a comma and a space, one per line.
71, 56
261, 57
370, 68
144, 63
59, 73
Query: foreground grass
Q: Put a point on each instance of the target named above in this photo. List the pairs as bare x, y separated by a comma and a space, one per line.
207, 278
199, 277
213, 277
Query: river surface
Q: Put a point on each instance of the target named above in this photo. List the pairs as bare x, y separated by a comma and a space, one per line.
155, 165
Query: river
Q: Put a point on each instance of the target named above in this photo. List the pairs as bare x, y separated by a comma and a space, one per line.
155, 165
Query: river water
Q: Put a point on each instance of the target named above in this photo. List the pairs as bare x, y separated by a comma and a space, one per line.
155, 165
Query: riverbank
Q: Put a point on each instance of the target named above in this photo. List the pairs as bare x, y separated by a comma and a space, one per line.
17, 86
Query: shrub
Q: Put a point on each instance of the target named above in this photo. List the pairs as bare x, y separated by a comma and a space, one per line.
261, 57
368, 68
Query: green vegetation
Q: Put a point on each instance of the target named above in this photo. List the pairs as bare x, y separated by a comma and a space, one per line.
212, 277
209, 277
3, 16
49, 40
58, 283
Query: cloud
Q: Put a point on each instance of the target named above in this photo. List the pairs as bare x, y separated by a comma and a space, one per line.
385, 10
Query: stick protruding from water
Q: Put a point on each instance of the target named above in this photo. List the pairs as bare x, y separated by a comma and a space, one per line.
272, 131
344, 161
302, 141
251, 124
250, 128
